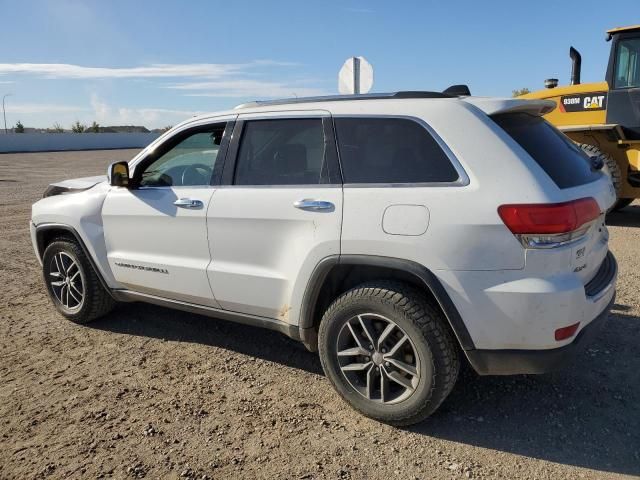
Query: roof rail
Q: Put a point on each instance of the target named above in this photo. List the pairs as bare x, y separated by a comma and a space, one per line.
339, 98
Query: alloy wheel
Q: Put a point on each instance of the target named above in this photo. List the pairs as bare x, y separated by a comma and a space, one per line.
378, 358
67, 281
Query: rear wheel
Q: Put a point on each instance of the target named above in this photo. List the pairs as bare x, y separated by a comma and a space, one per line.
72, 283
612, 169
388, 352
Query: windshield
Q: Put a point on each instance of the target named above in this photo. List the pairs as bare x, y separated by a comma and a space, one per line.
627, 71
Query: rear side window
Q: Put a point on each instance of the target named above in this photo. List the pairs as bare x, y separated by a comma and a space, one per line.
281, 152
390, 150
566, 164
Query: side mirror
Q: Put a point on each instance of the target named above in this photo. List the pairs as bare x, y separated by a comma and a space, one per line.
118, 174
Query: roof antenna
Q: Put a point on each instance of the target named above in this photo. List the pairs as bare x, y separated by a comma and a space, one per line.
458, 91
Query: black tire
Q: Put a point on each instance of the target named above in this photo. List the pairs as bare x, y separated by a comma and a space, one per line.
437, 359
612, 169
621, 203
95, 300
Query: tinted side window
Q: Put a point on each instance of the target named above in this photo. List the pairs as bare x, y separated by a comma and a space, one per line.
185, 160
281, 152
566, 164
390, 150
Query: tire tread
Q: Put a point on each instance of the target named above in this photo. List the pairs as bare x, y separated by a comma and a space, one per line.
616, 174
98, 301
429, 319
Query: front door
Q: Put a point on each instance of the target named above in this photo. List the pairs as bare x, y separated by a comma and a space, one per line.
278, 214
156, 231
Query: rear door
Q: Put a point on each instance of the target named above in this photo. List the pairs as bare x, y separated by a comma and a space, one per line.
278, 213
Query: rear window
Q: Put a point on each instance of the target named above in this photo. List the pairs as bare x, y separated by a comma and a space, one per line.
390, 150
566, 164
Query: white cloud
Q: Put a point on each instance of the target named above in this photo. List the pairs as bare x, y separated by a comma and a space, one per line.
257, 79
6, 82
246, 89
42, 108
106, 114
160, 70
153, 116
44, 114
100, 108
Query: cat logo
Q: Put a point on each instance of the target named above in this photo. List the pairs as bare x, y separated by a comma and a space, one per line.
583, 102
594, 102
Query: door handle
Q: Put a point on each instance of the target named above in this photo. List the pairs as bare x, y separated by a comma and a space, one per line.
314, 205
188, 203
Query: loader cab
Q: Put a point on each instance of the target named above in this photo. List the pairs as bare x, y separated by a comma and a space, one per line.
623, 78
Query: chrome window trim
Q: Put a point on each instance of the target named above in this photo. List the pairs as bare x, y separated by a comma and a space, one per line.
318, 113
173, 187
462, 181
457, 183
305, 185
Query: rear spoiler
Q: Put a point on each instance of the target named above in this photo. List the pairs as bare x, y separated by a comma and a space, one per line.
494, 106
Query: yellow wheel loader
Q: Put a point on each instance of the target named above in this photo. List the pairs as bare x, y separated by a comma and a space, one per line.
604, 117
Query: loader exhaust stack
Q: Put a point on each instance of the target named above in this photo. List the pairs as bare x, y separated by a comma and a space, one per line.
576, 65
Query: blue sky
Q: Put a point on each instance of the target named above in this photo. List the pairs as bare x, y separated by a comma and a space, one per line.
158, 62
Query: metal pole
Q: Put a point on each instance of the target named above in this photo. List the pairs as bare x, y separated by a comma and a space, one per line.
4, 113
356, 75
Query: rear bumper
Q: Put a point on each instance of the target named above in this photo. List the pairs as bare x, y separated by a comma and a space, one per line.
521, 310
512, 362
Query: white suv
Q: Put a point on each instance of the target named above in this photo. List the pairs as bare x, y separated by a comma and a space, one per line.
396, 234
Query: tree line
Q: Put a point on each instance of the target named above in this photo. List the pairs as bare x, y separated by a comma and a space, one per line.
76, 127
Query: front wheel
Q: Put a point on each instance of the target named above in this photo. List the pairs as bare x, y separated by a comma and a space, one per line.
388, 352
72, 283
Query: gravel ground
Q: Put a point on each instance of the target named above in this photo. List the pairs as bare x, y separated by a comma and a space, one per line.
163, 394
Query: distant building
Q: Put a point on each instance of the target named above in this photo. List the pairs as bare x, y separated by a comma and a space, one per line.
124, 129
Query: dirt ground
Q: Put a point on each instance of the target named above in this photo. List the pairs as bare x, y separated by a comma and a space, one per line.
153, 392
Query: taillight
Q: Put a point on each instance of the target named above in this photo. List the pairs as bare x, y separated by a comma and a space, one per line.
549, 225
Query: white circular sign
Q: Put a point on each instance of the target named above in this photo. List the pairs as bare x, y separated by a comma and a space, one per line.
355, 76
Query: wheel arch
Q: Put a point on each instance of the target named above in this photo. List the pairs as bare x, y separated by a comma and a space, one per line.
47, 232
338, 273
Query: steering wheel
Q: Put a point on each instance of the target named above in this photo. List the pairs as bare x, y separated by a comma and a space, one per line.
196, 174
